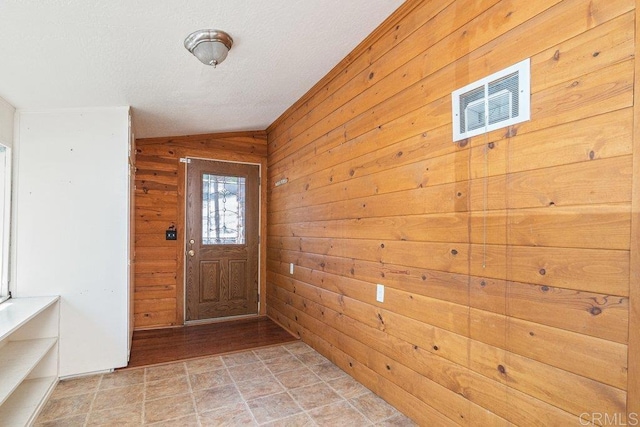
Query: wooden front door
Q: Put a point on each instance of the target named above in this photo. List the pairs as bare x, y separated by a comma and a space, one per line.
221, 239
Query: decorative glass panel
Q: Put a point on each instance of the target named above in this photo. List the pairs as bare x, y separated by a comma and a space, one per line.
223, 210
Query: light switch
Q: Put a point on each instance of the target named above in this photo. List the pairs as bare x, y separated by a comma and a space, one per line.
380, 293
291, 268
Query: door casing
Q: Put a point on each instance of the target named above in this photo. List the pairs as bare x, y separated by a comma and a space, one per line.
182, 264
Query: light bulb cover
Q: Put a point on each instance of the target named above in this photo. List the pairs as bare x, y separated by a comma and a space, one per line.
209, 46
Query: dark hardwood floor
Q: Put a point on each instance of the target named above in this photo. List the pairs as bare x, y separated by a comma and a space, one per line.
167, 345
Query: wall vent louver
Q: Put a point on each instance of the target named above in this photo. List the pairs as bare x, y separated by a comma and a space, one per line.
499, 100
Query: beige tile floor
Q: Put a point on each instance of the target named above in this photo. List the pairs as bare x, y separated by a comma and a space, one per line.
286, 385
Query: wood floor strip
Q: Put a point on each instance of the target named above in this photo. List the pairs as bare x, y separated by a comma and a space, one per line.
166, 345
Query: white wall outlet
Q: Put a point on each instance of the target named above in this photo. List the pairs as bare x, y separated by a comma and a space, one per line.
379, 292
291, 268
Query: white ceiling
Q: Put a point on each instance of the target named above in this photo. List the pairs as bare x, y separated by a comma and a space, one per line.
89, 53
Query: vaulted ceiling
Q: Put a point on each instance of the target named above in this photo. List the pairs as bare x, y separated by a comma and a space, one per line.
82, 54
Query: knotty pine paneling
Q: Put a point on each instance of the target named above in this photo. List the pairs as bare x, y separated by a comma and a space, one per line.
508, 257
444, 76
633, 392
159, 203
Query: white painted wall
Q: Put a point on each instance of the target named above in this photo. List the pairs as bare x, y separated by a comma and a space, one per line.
70, 231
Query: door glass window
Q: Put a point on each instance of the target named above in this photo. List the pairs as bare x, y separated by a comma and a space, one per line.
223, 210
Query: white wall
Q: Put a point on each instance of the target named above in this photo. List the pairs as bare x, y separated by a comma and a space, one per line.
70, 230
6, 123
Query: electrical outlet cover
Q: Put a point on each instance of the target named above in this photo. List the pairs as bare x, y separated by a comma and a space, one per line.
380, 293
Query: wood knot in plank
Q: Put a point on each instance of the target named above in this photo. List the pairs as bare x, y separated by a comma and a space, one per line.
511, 132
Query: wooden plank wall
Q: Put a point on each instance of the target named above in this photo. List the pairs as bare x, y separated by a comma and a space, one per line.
633, 393
506, 257
159, 204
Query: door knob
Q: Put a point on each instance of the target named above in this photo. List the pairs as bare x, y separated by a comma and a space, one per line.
191, 252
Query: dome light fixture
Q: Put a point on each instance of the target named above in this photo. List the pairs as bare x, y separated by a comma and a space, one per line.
209, 46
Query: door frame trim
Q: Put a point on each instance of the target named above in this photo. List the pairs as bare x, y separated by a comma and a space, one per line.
181, 293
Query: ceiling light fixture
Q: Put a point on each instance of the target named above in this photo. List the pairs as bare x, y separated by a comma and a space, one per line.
209, 46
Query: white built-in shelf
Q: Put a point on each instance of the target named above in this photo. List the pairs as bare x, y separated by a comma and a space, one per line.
21, 407
18, 358
29, 329
17, 311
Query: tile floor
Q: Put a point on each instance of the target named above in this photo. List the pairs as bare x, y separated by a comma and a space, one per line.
286, 385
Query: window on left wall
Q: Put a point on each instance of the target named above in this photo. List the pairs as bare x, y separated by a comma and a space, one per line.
5, 219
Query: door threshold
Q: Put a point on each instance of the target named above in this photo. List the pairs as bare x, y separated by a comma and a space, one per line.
220, 319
